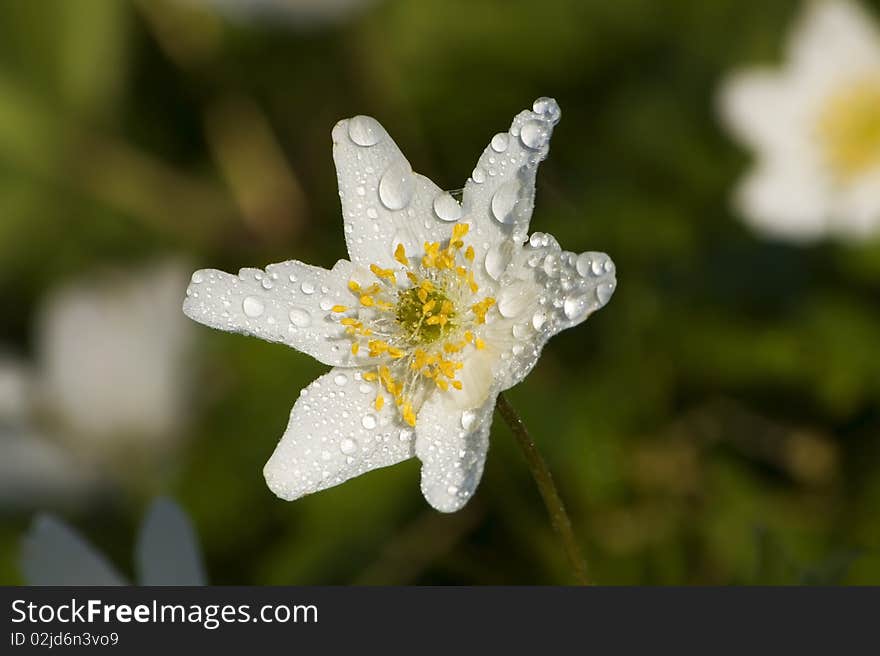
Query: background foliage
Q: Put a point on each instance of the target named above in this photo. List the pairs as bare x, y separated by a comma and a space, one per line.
718, 422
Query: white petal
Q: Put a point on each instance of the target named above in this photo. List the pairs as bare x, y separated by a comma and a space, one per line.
545, 291
500, 194
335, 433
383, 201
834, 37
452, 445
167, 551
112, 365
758, 107
857, 207
289, 303
16, 389
55, 554
785, 200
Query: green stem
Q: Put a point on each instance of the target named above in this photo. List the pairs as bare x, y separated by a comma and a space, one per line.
544, 480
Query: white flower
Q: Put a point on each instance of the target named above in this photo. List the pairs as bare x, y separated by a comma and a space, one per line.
442, 306
815, 126
111, 360
167, 552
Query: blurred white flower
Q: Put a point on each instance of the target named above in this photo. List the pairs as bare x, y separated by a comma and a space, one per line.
295, 12
814, 125
167, 552
110, 386
112, 360
442, 306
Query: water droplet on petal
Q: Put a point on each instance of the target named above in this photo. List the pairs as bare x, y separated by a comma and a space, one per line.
197, 277
299, 317
497, 259
372, 213
584, 263
446, 207
307, 287
369, 422
504, 201
252, 306
365, 131
513, 299
478, 175
405, 435
538, 320
396, 186
340, 379
499, 142
468, 417
348, 446
548, 108
533, 134
604, 292
575, 307
267, 283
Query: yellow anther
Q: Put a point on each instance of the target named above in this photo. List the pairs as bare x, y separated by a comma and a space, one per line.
434, 320
442, 384
469, 254
427, 307
408, 415
353, 286
468, 336
348, 321
385, 305
338, 308
457, 384
367, 300
400, 255
396, 353
379, 272
355, 347
447, 307
480, 344
380, 401
413, 278
371, 376
422, 294
459, 230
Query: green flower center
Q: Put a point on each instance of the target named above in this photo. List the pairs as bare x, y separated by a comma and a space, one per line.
425, 316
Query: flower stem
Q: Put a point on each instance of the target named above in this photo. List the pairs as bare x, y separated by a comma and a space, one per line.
544, 480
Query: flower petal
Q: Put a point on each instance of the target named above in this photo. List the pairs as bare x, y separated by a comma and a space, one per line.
167, 551
384, 202
335, 433
289, 302
546, 290
500, 194
55, 554
452, 445
834, 37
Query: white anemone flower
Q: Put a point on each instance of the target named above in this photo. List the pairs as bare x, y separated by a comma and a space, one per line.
441, 306
167, 552
815, 127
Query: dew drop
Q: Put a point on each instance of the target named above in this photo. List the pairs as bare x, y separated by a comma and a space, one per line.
548, 108
405, 435
478, 175
604, 292
326, 304
584, 264
340, 379
504, 201
512, 300
396, 186
307, 287
446, 207
369, 422
538, 320
575, 307
365, 131
348, 446
267, 283
533, 134
499, 142
299, 317
372, 213
252, 306
497, 259
468, 417
197, 277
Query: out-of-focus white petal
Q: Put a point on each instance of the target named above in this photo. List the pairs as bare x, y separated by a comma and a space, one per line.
112, 365
36, 473
167, 551
452, 445
290, 303
544, 291
758, 108
384, 202
335, 433
857, 208
53, 553
500, 194
834, 38
783, 200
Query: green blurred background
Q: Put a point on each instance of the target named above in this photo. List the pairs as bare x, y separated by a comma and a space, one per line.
717, 423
